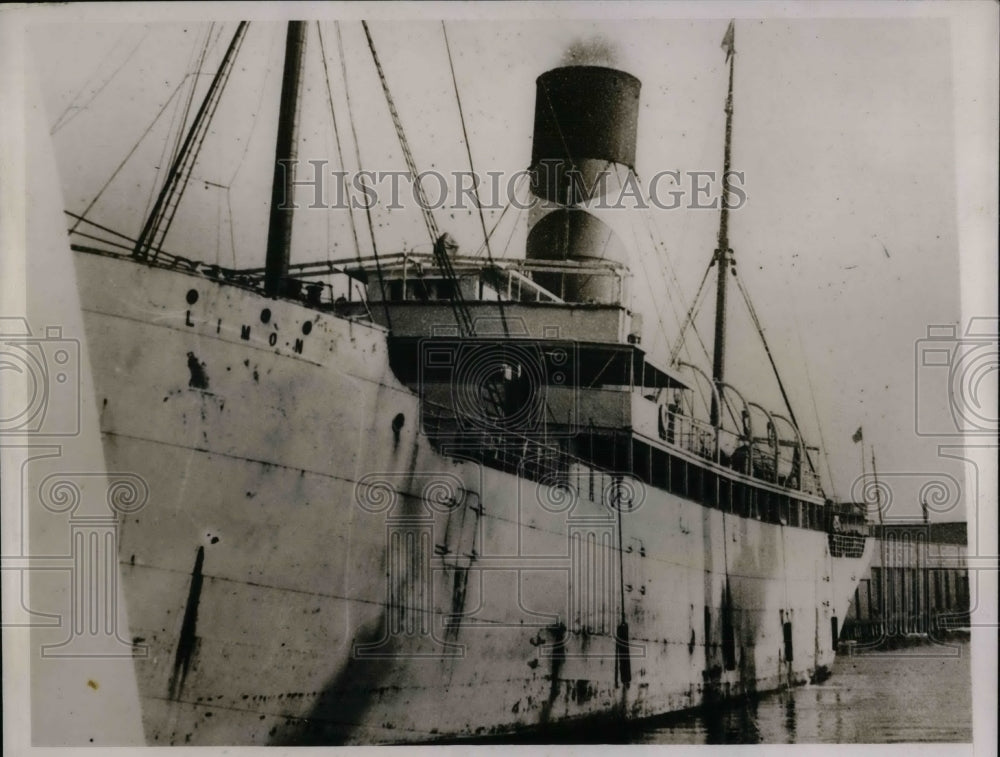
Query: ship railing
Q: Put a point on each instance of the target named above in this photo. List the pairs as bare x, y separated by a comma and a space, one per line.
563, 277
846, 544
410, 275
547, 464
340, 291
771, 463
547, 461
541, 458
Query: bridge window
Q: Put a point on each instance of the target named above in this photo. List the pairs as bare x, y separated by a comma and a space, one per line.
641, 460
678, 476
740, 499
725, 494
695, 482
660, 468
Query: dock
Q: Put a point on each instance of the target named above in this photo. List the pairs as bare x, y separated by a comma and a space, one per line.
918, 584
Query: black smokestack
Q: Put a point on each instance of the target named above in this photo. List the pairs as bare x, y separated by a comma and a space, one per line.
583, 115
586, 119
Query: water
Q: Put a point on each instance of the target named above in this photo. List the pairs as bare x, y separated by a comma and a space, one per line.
915, 694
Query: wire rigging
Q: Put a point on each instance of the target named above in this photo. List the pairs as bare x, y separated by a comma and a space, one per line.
256, 113
71, 105
65, 119
819, 425
192, 73
653, 233
411, 166
513, 227
679, 292
475, 181
689, 318
510, 203
443, 246
124, 160
164, 211
770, 357
340, 151
468, 146
190, 98
657, 309
357, 156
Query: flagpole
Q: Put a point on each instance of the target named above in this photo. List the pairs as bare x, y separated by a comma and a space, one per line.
878, 498
723, 254
864, 475
886, 578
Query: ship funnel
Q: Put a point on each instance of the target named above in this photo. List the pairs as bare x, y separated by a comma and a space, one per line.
583, 146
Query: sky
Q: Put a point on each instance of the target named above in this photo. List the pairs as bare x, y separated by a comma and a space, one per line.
844, 130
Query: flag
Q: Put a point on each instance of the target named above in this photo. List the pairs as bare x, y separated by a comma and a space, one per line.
857, 436
729, 41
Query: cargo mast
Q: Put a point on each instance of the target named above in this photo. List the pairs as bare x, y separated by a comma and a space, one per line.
279, 230
723, 254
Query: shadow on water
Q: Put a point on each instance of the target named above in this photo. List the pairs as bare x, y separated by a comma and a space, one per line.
790, 717
733, 722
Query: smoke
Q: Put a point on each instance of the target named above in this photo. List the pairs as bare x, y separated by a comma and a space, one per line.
592, 51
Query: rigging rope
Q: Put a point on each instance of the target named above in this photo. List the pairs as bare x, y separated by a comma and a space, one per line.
819, 424
653, 232
164, 211
121, 165
689, 319
104, 241
510, 203
770, 357
468, 146
647, 277
80, 218
190, 99
64, 119
256, 112
357, 155
441, 243
340, 152
192, 73
680, 294
475, 181
513, 227
411, 166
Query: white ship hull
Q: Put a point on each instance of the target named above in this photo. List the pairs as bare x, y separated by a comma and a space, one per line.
284, 594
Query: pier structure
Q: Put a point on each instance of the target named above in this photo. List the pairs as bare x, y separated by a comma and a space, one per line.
917, 584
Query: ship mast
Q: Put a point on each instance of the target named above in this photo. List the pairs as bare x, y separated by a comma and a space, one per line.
279, 230
161, 217
723, 255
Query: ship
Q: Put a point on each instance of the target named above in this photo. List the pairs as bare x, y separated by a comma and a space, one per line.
455, 499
